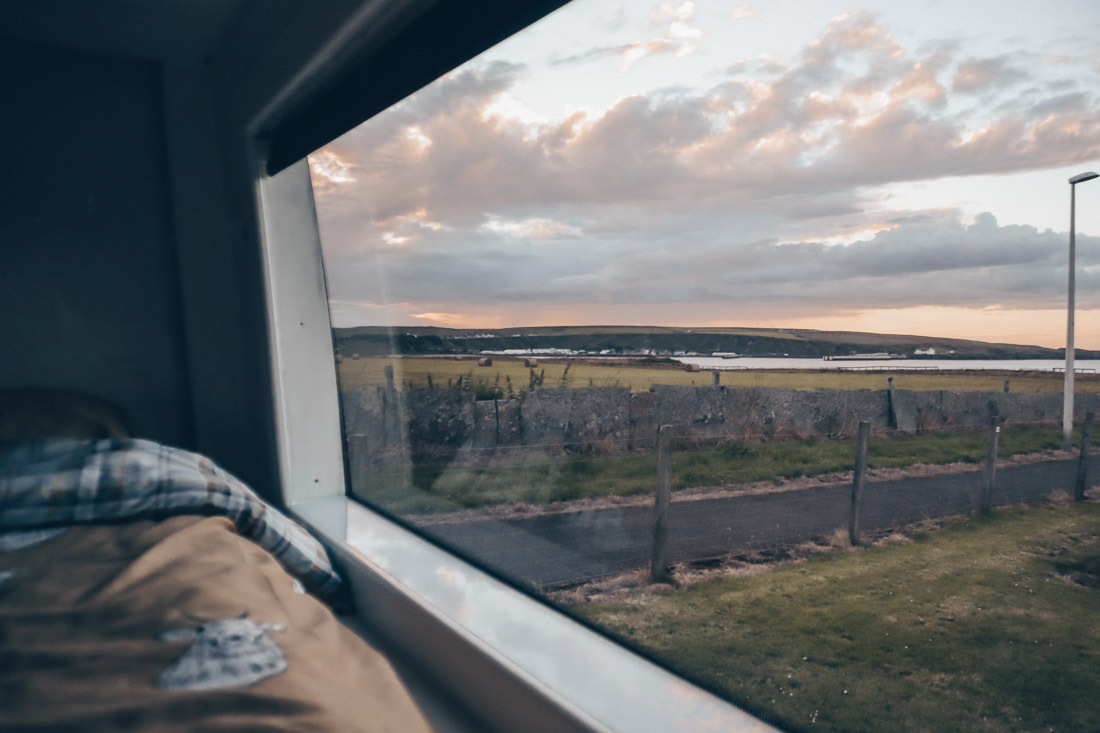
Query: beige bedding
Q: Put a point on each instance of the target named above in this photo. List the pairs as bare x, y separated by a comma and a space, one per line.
81, 619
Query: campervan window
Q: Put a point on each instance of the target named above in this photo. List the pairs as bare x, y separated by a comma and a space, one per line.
494, 454
434, 605
444, 609
432, 430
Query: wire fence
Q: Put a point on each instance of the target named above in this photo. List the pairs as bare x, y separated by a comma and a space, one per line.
558, 544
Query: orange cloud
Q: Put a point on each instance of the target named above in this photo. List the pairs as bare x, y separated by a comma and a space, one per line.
444, 319
328, 170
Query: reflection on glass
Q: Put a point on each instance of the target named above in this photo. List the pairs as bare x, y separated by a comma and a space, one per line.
630, 220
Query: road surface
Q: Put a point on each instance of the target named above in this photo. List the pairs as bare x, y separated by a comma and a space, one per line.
557, 550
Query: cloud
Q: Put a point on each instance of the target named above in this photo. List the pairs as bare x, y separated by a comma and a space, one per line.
856, 111
743, 10
442, 319
763, 63
919, 259
677, 17
976, 75
921, 82
678, 36
328, 171
760, 189
858, 30
534, 228
634, 50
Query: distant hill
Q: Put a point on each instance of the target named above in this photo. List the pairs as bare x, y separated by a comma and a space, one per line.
381, 340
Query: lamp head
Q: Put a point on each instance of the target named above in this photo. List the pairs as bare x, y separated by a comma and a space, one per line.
1082, 177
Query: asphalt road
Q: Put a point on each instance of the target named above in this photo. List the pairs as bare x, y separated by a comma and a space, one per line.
561, 549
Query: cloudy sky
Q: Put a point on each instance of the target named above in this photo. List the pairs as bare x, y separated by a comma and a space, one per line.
894, 166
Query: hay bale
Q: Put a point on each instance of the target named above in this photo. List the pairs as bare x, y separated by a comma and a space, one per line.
485, 361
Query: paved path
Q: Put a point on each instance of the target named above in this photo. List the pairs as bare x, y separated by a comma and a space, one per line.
559, 549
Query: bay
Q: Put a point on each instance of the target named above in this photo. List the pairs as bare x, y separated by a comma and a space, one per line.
1086, 366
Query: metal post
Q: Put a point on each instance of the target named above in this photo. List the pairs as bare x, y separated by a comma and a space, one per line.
1082, 461
857, 481
893, 400
658, 567
1067, 393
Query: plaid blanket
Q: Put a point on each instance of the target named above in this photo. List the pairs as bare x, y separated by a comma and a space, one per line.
59, 481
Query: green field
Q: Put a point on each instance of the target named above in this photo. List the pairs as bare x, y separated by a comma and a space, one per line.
510, 373
970, 628
540, 478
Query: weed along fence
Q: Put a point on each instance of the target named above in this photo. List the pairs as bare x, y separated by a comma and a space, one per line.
695, 529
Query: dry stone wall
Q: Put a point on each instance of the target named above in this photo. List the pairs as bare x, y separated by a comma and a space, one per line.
446, 423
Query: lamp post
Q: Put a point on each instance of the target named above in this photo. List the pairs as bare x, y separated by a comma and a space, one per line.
1067, 393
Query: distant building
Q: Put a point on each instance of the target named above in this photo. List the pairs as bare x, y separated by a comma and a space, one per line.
877, 356
930, 351
528, 352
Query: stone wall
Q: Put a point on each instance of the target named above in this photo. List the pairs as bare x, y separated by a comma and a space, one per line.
446, 423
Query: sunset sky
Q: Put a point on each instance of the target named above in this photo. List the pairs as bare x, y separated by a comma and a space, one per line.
893, 166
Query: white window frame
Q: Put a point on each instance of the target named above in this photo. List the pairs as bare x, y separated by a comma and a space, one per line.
517, 663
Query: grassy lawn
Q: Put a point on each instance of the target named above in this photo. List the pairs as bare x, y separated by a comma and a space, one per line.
968, 628
369, 372
538, 478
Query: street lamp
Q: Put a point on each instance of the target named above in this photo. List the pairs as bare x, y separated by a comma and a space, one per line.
1067, 394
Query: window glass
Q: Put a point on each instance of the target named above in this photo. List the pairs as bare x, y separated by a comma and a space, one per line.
617, 308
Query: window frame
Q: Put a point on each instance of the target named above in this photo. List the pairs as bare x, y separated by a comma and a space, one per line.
405, 585
499, 650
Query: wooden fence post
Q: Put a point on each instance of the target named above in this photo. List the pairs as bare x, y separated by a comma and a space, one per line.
1082, 461
857, 481
658, 566
894, 421
1006, 385
389, 376
989, 476
717, 378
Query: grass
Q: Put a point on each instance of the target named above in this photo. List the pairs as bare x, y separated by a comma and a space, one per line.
369, 372
539, 478
972, 627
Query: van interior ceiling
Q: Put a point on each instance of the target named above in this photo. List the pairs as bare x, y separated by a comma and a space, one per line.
133, 134
158, 260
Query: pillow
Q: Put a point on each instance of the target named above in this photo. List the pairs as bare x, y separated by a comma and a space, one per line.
56, 413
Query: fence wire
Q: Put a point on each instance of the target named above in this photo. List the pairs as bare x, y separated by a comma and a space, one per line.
565, 547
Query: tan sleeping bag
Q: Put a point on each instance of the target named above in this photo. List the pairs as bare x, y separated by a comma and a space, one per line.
82, 617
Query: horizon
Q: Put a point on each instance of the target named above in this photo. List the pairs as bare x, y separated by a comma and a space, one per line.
802, 165
697, 328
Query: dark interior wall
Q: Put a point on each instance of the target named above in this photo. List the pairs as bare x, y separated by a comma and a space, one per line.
89, 292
